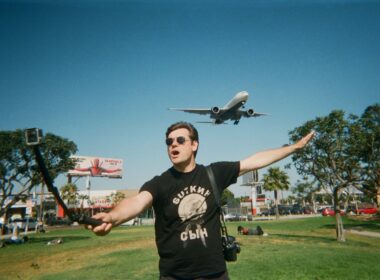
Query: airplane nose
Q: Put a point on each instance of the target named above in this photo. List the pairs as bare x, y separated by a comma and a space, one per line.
243, 94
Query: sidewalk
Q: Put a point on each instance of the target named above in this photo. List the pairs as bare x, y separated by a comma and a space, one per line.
364, 233
285, 217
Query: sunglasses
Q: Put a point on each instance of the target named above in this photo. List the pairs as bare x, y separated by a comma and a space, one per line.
180, 140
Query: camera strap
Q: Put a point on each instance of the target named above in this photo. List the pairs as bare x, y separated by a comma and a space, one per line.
216, 192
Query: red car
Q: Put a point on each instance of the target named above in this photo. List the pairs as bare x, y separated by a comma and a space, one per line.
331, 212
367, 210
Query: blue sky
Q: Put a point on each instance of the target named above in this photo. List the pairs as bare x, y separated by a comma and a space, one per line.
103, 73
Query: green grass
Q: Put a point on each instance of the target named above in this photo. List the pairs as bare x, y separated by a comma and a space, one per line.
295, 249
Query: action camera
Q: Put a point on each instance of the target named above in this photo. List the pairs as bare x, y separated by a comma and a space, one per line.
33, 136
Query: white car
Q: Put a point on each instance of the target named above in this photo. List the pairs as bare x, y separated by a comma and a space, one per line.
233, 217
22, 223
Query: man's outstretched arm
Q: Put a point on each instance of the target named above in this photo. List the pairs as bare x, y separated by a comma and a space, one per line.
126, 210
265, 158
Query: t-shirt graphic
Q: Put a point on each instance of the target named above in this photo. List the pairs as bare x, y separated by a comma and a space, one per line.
192, 206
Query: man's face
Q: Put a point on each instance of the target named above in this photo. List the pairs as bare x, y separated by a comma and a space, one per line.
181, 153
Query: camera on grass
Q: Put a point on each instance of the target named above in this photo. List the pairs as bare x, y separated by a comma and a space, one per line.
230, 248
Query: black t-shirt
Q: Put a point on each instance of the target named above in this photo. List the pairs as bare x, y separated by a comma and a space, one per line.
187, 219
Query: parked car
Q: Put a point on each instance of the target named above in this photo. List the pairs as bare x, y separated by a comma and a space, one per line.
363, 209
351, 209
233, 217
284, 209
55, 221
308, 210
265, 212
331, 212
296, 209
321, 207
367, 210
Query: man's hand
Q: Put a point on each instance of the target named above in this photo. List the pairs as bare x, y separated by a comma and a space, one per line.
304, 140
126, 210
105, 227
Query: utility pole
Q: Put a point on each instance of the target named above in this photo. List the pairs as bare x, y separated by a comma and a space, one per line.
251, 179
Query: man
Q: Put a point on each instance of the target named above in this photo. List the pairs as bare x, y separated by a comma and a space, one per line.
187, 222
250, 231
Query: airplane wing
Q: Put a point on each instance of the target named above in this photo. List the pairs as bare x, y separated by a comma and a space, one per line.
255, 114
194, 111
212, 122
249, 113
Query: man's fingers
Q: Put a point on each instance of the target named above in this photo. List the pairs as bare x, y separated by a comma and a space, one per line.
312, 133
105, 226
306, 139
95, 228
309, 136
103, 229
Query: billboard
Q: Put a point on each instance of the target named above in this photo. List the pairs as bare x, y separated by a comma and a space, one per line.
250, 178
99, 199
97, 167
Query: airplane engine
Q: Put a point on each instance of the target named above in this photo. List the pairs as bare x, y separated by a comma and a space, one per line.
215, 110
250, 112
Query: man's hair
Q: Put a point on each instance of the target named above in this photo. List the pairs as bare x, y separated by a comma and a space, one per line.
193, 132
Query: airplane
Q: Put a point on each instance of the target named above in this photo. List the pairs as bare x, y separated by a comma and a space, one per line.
230, 111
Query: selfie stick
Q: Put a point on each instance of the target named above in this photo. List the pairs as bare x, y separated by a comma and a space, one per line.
33, 138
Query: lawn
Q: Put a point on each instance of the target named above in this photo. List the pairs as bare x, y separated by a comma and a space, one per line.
294, 249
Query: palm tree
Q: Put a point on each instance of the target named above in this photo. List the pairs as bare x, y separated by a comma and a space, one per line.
69, 193
275, 180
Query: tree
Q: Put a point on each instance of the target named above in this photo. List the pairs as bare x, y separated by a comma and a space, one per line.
302, 190
115, 198
366, 145
227, 197
330, 158
19, 173
275, 180
69, 193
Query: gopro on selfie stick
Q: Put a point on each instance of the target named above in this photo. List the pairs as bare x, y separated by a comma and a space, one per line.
33, 138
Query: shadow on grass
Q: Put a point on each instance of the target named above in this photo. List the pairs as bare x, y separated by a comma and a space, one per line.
310, 238
360, 226
320, 239
66, 239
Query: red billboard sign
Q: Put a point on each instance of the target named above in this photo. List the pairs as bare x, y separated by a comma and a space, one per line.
97, 167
